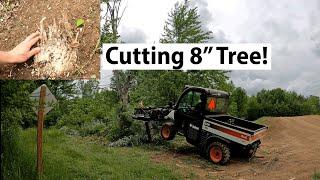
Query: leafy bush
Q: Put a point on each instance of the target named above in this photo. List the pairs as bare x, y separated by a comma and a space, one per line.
15, 113
89, 115
278, 102
15, 164
69, 131
93, 128
275, 102
239, 101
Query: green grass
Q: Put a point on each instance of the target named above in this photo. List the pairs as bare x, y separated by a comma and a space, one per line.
261, 120
316, 176
67, 157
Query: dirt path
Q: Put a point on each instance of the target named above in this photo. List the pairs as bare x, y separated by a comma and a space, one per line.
23, 17
291, 150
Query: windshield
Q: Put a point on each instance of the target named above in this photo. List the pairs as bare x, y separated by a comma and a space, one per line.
189, 100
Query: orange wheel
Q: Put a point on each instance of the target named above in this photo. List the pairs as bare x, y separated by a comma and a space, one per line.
218, 153
167, 132
215, 154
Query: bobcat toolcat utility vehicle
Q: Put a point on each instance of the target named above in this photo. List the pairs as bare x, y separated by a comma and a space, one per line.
200, 116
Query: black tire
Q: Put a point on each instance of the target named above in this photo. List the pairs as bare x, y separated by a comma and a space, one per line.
218, 153
168, 131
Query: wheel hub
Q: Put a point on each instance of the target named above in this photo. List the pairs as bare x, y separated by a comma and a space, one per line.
166, 132
215, 154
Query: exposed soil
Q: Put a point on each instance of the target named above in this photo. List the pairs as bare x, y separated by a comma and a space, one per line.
23, 18
290, 150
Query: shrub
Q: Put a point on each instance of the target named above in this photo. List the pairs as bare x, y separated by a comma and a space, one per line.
15, 164
93, 128
69, 131
316, 176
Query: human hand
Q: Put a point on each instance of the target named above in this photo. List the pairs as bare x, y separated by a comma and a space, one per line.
22, 52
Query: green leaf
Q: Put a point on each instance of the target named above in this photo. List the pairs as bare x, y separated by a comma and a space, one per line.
79, 22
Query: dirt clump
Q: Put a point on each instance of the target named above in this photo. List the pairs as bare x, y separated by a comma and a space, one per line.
59, 49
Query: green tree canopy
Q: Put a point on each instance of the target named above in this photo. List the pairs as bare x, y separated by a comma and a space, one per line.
184, 26
160, 87
239, 101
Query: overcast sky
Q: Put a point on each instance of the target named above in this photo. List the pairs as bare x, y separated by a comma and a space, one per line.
291, 26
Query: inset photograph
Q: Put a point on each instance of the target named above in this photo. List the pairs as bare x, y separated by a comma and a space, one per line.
52, 39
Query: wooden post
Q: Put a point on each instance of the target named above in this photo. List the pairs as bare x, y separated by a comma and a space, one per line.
40, 129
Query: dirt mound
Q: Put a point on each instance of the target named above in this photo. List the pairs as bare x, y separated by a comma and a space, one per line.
19, 18
290, 150
294, 142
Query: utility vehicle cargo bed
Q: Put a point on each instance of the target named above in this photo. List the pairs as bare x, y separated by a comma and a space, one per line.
235, 129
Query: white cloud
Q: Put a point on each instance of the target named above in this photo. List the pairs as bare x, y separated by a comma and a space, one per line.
132, 35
